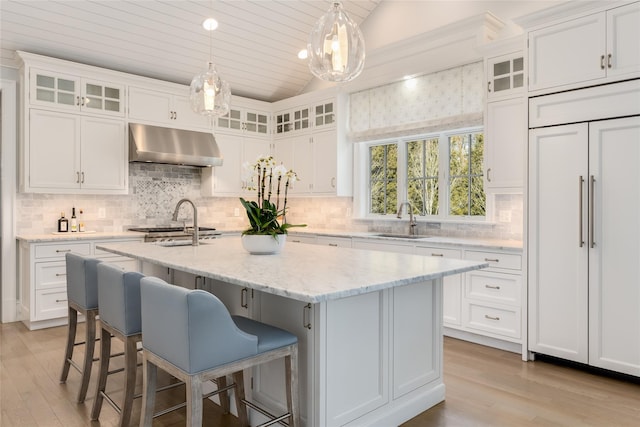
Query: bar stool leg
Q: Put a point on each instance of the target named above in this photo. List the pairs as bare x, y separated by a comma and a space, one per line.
194, 400
149, 378
71, 339
130, 368
105, 351
223, 396
293, 400
238, 378
89, 348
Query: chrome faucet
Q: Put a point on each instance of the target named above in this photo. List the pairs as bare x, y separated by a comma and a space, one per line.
412, 220
196, 237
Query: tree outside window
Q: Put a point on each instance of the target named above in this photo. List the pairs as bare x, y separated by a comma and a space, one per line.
383, 182
466, 186
422, 176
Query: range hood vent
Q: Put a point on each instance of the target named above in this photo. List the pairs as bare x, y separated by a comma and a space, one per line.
155, 144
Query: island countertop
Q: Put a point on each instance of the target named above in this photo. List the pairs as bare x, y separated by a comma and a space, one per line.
306, 273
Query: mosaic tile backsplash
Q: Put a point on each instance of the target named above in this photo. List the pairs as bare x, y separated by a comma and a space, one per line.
155, 189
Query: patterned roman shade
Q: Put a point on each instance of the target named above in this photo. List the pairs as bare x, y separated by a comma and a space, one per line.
448, 99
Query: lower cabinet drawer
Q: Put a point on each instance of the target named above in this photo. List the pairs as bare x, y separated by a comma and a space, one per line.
496, 259
499, 321
50, 275
58, 250
495, 287
51, 303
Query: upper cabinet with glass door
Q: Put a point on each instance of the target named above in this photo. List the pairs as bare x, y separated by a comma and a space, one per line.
70, 92
247, 121
505, 75
319, 116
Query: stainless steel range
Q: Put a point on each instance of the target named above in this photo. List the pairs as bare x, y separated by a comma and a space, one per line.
175, 234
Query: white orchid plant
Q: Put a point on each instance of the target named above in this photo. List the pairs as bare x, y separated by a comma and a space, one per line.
265, 216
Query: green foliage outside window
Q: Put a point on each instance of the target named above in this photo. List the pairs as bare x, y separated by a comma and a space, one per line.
422, 176
383, 180
466, 187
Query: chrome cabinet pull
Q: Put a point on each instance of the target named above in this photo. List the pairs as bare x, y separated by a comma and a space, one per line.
77, 177
580, 237
492, 287
602, 62
333, 244
243, 298
82, 179
491, 260
333, 182
61, 274
489, 86
62, 250
434, 254
486, 316
609, 61
196, 281
592, 220
175, 115
61, 300
488, 176
306, 323
77, 100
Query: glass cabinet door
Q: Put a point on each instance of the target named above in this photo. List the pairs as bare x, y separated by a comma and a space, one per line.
103, 97
50, 88
257, 123
505, 75
324, 114
231, 120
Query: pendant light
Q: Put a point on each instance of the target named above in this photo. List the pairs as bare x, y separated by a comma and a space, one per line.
209, 94
336, 46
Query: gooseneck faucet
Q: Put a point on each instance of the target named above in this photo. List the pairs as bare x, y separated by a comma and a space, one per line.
412, 220
196, 237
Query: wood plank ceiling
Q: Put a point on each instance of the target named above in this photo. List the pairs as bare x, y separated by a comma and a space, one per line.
254, 48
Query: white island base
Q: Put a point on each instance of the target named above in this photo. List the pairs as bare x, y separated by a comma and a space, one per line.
368, 360
369, 324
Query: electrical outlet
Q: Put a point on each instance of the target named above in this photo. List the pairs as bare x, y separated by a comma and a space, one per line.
348, 212
236, 212
505, 216
102, 213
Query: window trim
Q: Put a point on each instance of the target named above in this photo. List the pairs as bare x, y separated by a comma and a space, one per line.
362, 195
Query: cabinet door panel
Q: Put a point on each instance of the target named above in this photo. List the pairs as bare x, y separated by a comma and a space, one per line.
505, 143
614, 275
325, 155
149, 105
103, 154
623, 35
227, 177
54, 150
186, 117
558, 257
566, 53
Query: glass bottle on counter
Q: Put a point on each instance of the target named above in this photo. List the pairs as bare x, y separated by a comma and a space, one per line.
63, 223
80, 222
74, 220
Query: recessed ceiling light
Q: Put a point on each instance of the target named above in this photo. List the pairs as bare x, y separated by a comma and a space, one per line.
303, 54
210, 24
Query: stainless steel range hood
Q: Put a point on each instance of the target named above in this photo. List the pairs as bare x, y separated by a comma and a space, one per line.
155, 144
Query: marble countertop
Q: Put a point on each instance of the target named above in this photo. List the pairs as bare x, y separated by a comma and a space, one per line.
308, 273
85, 235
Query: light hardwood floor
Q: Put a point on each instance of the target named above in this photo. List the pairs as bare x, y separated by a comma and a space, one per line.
485, 387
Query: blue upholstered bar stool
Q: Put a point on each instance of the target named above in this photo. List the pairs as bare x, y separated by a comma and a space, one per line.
191, 335
82, 296
119, 296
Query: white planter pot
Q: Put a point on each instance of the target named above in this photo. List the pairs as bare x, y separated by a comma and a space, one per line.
259, 244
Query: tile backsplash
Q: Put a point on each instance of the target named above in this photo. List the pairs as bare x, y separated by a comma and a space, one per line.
155, 189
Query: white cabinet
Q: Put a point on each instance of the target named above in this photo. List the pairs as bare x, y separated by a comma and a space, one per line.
452, 285
492, 301
584, 231
228, 179
71, 153
170, 109
505, 75
387, 246
342, 242
43, 278
61, 91
244, 120
505, 142
591, 49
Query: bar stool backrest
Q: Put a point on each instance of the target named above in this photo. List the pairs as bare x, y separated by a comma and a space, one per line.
82, 280
192, 329
119, 296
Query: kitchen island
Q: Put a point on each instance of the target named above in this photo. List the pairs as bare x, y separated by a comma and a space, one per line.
369, 323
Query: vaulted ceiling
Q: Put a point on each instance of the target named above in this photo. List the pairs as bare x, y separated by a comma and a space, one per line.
255, 46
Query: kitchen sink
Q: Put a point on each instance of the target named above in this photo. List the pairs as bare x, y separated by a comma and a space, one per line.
402, 236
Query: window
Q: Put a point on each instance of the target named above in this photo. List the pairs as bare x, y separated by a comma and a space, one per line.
383, 167
441, 175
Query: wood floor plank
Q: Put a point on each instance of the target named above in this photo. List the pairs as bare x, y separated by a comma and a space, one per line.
485, 388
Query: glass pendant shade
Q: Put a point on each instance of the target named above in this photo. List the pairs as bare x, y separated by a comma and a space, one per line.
209, 94
336, 47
